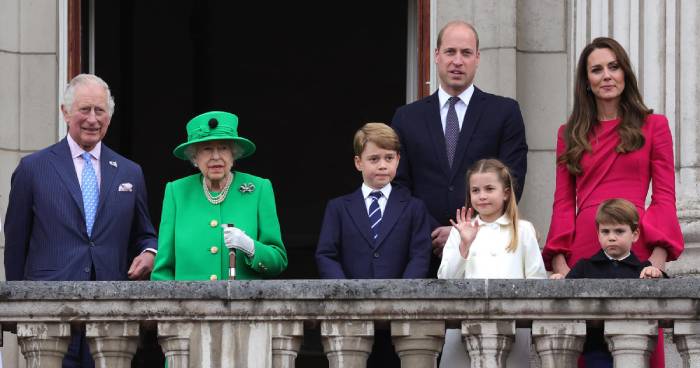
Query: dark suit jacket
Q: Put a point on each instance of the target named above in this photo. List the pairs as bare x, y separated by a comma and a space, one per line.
45, 232
492, 128
346, 249
599, 266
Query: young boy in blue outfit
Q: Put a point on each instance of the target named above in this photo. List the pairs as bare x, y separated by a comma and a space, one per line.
617, 223
379, 231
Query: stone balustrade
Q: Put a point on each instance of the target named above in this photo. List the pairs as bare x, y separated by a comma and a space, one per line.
261, 323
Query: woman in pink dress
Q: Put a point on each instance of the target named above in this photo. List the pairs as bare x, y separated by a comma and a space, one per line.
612, 146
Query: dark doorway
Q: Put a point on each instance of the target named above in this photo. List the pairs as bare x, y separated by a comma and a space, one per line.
302, 77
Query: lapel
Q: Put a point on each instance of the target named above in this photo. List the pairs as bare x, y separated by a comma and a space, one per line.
63, 163
469, 123
107, 174
433, 123
398, 199
357, 210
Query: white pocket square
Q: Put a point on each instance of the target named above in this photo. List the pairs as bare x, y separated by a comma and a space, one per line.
126, 187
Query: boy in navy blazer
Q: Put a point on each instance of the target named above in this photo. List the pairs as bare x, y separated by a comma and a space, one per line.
390, 242
378, 231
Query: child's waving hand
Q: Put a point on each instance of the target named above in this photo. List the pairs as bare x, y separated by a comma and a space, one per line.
467, 229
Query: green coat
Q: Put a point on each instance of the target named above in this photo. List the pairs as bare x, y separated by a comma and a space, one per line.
190, 240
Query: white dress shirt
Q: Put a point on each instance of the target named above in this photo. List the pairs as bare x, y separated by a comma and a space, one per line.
79, 163
366, 190
460, 107
488, 258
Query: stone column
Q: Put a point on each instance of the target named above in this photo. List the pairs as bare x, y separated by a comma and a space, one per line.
286, 341
43, 344
174, 339
558, 343
687, 339
347, 343
112, 344
631, 342
418, 343
488, 342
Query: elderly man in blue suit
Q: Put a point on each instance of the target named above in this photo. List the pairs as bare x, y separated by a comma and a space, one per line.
77, 210
442, 135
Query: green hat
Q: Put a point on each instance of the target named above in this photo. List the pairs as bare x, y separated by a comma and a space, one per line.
211, 126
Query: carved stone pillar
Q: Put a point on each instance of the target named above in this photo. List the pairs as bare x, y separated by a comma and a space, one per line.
631, 342
112, 344
418, 343
558, 343
43, 344
687, 339
488, 342
174, 339
347, 343
286, 341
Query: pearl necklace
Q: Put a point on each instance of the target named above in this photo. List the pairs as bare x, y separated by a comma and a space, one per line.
221, 196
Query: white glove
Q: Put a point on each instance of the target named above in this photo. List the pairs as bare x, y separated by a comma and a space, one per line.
235, 238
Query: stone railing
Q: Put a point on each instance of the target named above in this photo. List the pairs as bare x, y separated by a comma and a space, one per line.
261, 323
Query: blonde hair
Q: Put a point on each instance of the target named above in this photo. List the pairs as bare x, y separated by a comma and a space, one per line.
617, 211
511, 206
378, 133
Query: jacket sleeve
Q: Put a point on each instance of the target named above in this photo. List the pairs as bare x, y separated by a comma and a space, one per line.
18, 223
534, 266
562, 226
270, 257
164, 264
420, 243
143, 235
403, 172
452, 266
328, 250
659, 223
513, 147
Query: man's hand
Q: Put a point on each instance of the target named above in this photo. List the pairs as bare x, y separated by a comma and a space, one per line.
440, 236
141, 267
650, 272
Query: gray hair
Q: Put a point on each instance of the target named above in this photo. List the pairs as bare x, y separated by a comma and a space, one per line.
191, 151
84, 79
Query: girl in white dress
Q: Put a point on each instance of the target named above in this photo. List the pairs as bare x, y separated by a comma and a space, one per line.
495, 244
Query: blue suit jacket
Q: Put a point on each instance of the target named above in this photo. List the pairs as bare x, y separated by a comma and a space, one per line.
492, 128
346, 249
45, 232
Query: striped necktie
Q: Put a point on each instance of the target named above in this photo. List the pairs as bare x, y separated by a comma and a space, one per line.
90, 191
375, 214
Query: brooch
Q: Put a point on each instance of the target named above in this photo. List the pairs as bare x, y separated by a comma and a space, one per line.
247, 188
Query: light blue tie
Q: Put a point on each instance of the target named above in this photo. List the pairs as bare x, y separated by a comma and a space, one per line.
375, 214
91, 192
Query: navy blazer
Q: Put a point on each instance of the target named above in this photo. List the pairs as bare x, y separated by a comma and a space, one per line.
492, 128
45, 232
346, 249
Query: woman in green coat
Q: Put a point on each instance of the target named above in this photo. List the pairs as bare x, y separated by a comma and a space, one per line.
218, 210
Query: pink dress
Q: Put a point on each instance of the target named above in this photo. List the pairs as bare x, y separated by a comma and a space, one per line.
608, 174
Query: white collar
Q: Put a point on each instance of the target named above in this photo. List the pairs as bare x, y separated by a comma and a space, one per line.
617, 259
77, 151
366, 190
465, 96
501, 221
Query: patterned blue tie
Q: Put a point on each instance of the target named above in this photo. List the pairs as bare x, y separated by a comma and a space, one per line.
90, 192
375, 214
451, 130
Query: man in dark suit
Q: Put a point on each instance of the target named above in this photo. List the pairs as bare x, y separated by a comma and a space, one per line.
77, 210
442, 135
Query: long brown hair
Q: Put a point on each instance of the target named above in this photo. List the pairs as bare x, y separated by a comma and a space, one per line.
584, 116
506, 179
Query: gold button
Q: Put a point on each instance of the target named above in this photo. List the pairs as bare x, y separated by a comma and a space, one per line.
213, 223
214, 250
213, 278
